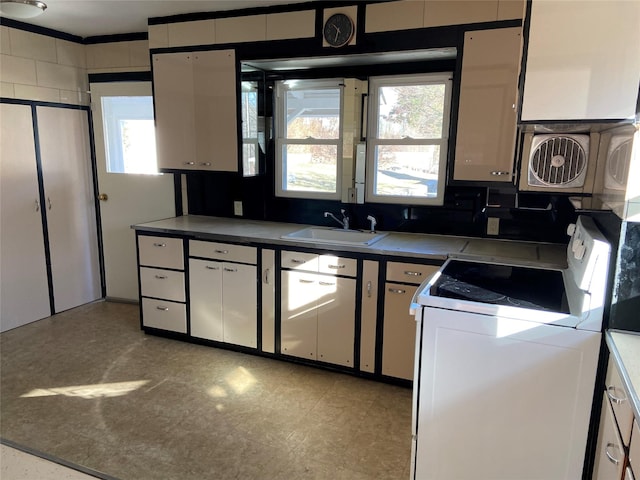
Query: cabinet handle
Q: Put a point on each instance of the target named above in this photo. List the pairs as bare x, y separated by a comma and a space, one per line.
188, 163
302, 280
615, 399
159, 244
37, 206
161, 277
327, 284
209, 267
223, 252
611, 458
413, 274
295, 260
499, 173
369, 285
49, 202
206, 164
164, 309
230, 269
266, 276
336, 267
397, 290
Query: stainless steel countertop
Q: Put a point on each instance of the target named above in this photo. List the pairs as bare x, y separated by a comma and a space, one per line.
416, 245
625, 351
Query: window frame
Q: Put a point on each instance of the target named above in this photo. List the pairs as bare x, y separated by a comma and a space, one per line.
281, 88
372, 140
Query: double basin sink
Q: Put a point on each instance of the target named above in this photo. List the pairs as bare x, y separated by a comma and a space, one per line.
335, 236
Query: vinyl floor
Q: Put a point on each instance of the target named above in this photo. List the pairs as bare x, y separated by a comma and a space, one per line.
88, 387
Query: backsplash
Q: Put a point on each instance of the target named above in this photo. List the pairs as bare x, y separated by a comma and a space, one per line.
463, 212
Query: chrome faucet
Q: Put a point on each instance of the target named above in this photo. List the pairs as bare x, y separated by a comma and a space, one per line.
345, 220
373, 221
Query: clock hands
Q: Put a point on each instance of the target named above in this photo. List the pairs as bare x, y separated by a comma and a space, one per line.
337, 31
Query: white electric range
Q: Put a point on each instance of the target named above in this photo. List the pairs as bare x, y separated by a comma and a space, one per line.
506, 362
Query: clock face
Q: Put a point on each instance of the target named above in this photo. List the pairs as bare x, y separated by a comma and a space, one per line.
338, 30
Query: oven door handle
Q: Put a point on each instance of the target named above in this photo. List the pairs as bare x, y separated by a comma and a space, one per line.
414, 306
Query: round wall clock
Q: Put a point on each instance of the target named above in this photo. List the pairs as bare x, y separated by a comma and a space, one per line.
338, 30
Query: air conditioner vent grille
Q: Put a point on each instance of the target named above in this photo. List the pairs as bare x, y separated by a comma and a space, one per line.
558, 161
618, 163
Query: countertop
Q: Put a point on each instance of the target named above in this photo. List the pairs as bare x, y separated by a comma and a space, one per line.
415, 245
625, 350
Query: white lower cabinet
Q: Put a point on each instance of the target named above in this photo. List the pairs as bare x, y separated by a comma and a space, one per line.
369, 316
223, 302
610, 455
164, 315
268, 286
318, 315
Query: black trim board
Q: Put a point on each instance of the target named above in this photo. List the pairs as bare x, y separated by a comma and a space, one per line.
119, 37
27, 27
120, 77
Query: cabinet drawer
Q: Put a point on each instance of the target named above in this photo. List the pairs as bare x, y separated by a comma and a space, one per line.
223, 251
628, 474
165, 315
337, 265
299, 261
634, 449
409, 272
161, 252
162, 284
619, 402
610, 454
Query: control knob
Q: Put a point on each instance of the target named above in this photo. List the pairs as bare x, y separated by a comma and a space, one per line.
571, 228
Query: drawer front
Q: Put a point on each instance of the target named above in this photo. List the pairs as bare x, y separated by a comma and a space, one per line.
634, 449
628, 474
223, 251
409, 272
619, 401
610, 454
161, 252
299, 261
337, 265
162, 284
165, 315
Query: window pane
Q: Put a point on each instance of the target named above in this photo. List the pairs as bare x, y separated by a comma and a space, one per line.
249, 110
249, 158
129, 134
414, 111
407, 170
310, 168
313, 113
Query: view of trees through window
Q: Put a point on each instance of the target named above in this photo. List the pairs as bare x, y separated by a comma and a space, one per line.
250, 147
407, 138
312, 135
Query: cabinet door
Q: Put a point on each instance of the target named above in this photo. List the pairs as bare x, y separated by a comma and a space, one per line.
589, 71
216, 108
486, 134
173, 94
609, 462
24, 288
70, 204
299, 318
336, 319
399, 337
240, 304
205, 284
268, 301
369, 316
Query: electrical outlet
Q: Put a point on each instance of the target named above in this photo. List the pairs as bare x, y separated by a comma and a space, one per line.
352, 195
237, 208
493, 226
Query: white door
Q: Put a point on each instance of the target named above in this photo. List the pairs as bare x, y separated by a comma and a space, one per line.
205, 299
67, 179
240, 293
24, 289
125, 111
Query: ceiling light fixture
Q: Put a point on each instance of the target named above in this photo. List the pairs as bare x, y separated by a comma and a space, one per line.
22, 8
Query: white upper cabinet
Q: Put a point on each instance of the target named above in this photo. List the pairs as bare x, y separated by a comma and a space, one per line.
583, 60
196, 110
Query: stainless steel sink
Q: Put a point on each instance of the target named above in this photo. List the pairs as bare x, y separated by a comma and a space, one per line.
335, 236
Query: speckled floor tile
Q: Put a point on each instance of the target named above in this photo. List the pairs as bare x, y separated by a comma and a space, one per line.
89, 387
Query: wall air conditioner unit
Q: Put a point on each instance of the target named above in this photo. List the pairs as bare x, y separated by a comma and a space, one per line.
558, 162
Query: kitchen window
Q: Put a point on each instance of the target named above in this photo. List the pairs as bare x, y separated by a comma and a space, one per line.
309, 138
407, 140
250, 146
130, 135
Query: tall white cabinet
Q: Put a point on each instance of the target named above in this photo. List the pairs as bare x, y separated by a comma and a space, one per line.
48, 221
24, 290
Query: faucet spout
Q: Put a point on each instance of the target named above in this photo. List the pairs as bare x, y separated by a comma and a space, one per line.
344, 223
